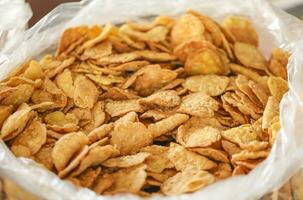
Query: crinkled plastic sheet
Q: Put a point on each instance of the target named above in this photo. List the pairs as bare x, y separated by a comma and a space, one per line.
276, 29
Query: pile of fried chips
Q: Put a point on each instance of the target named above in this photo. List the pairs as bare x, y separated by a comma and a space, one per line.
165, 107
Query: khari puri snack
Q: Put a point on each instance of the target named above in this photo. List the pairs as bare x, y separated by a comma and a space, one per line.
165, 107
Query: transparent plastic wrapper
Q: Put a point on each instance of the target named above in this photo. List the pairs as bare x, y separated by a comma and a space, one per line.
275, 28
10, 28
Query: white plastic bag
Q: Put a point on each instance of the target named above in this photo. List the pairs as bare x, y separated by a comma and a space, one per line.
276, 29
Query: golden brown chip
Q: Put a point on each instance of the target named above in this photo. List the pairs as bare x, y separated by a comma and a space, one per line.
260, 91
21, 94
222, 171
98, 51
119, 108
100, 132
66, 147
129, 117
204, 61
202, 137
271, 110
15, 123
212, 85
126, 161
34, 71
85, 93
128, 180
249, 164
65, 82
5, 112
182, 158
164, 126
248, 155
32, 138
249, 56
240, 135
130, 137
74, 162
241, 29
152, 78
273, 132
131, 66
255, 146
213, 154
166, 98
186, 28
189, 180
277, 87
96, 156
155, 115
88, 177
70, 36
43, 156
198, 104
103, 183
240, 170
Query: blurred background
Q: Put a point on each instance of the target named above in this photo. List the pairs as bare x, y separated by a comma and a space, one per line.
42, 7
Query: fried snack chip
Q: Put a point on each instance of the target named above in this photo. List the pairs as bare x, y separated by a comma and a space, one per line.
241, 29
130, 137
126, 161
188, 27
189, 180
128, 180
119, 108
213, 85
213, 154
166, 99
31, 139
240, 135
162, 107
66, 147
182, 158
198, 104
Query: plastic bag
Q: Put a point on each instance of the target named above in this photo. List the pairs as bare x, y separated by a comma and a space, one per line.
276, 29
9, 26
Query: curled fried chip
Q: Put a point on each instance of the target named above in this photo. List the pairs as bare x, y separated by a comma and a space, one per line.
126, 161
66, 147
212, 85
249, 56
34, 71
188, 27
241, 29
166, 98
22, 94
65, 82
222, 171
198, 104
117, 58
271, 110
131, 66
249, 155
57, 121
43, 156
260, 91
240, 170
32, 138
129, 117
15, 123
88, 177
96, 156
5, 112
119, 108
204, 61
213, 154
103, 183
85, 93
130, 137
100, 132
164, 126
202, 137
182, 158
189, 180
277, 87
153, 77
128, 180
98, 51
240, 135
